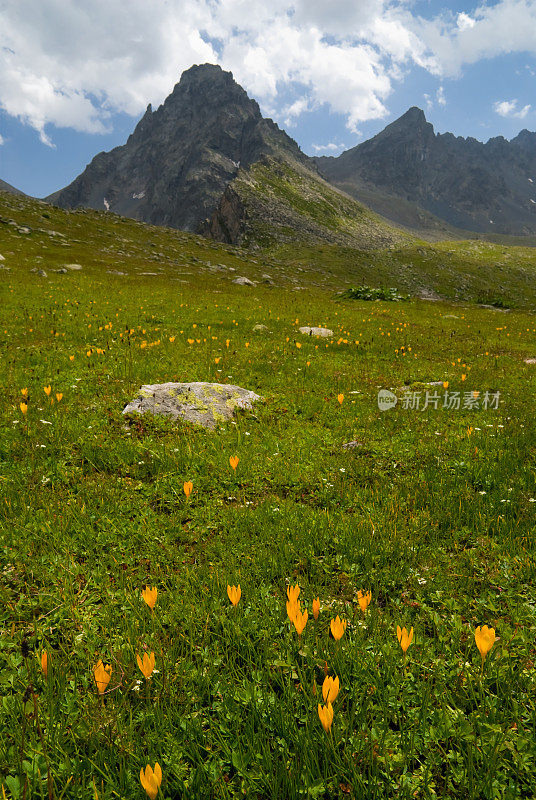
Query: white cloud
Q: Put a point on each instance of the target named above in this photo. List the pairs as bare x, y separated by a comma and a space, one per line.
440, 97
508, 26
464, 21
330, 149
2, 140
75, 64
508, 108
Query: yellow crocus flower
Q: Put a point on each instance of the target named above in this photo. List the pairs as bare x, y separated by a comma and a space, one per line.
147, 665
326, 716
102, 675
44, 663
338, 626
300, 620
316, 607
330, 689
364, 598
149, 595
292, 609
234, 594
485, 639
151, 779
404, 638
293, 592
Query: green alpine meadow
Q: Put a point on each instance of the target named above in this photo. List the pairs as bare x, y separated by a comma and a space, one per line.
329, 596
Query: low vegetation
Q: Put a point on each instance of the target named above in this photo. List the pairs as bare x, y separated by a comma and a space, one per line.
154, 577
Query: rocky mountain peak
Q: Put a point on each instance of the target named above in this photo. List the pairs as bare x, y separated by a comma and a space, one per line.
177, 163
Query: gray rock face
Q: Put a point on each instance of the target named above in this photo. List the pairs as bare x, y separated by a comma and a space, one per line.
176, 165
243, 282
205, 404
324, 332
466, 183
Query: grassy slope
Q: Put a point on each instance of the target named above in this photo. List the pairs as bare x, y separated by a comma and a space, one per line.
433, 512
288, 203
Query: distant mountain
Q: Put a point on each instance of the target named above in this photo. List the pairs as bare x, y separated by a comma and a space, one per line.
207, 161
7, 187
409, 173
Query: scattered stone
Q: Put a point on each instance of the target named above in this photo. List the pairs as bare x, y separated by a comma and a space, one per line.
2, 258
42, 273
73, 266
351, 445
426, 293
529, 360
267, 278
148, 273
324, 332
435, 383
23, 230
205, 404
62, 271
115, 272
260, 327
243, 282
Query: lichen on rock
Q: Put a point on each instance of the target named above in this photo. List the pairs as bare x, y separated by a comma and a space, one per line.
204, 404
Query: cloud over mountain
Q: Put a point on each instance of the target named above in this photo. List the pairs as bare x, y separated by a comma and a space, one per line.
75, 65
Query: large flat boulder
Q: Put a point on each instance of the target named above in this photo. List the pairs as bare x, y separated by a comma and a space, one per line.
205, 404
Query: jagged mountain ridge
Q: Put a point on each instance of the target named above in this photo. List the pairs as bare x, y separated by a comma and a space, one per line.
177, 163
408, 169
187, 165
190, 165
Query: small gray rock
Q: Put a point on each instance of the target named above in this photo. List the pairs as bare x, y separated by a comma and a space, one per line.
2, 258
205, 404
42, 273
115, 272
324, 332
73, 266
260, 327
23, 230
62, 271
243, 282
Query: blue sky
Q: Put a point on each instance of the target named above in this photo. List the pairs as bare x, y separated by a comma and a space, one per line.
75, 78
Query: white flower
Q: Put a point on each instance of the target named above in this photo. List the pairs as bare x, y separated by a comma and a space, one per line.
482, 492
